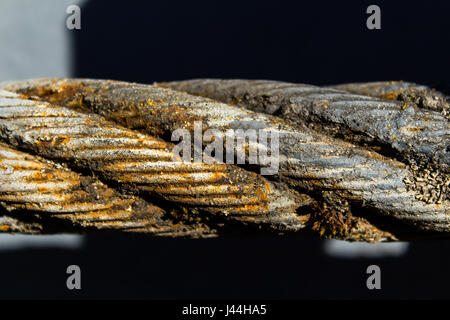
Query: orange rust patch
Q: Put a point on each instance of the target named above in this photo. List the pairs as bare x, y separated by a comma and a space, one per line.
61, 140
40, 176
415, 129
376, 156
392, 94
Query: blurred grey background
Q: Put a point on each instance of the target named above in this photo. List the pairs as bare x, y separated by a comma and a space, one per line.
35, 43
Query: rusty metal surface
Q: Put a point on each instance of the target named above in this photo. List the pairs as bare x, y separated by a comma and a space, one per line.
411, 132
407, 92
345, 179
35, 189
139, 163
407, 192
9, 224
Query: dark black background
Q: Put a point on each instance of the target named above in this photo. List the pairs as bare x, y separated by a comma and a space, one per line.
317, 42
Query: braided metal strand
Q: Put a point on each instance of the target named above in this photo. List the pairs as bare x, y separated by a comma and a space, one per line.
10, 224
406, 92
402, 190
345, 174
410, 131
41, 188
128, 157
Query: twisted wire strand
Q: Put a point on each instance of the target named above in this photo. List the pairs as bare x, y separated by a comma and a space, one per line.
88, 141
419, 133
309, 160
420, 95
409, 132
42, 188
380, 181
9, 224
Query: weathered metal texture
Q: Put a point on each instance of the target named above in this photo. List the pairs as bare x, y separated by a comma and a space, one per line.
38, 188
413, 133
343, 177
141, 162
377, 180
10, 224
406, 92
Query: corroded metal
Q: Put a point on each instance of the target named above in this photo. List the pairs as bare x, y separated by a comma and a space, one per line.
38, 188
9, 224
406, 92
412, 132
406, 191
345, 179
145, 164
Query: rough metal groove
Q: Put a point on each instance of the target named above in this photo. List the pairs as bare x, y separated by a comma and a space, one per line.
88, 141
346, 176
